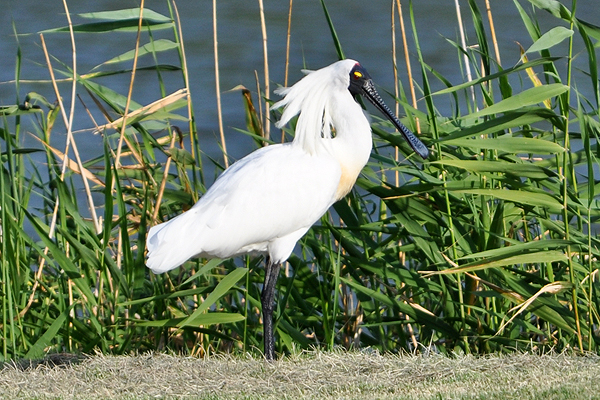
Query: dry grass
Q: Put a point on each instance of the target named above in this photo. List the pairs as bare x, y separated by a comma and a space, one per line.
312, 375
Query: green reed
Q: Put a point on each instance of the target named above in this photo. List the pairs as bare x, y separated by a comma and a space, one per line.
488, 246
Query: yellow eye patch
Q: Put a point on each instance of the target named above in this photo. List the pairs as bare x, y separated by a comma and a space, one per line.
357, 74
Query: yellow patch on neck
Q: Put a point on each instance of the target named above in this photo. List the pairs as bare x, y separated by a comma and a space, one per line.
347, 180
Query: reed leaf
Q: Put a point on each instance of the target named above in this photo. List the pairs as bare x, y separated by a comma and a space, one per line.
489, 246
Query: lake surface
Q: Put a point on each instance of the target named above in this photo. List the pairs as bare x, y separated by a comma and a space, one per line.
363, 28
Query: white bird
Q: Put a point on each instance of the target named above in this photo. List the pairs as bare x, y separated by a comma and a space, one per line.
265, 202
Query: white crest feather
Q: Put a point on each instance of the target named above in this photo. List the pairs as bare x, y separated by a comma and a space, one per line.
314, 97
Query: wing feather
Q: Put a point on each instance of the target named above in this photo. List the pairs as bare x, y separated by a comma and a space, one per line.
273, 192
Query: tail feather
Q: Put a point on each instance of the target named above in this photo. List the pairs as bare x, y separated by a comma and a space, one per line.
170, 245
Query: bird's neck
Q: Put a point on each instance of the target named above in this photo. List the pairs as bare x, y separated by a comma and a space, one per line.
336, 127
352, 155
351, 148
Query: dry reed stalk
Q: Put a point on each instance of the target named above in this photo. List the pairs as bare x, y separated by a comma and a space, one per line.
186, 80
123, 127
218, 86
287, 44
463, 43
147, 109
38, 274
260, 107
129, 94
73, 165
394, 63
396, 89
493, 31
287, 55
85, 107
69, 124
266, 122
401, 256
164, 180
70, 140
552, 288
413, 95
132, 149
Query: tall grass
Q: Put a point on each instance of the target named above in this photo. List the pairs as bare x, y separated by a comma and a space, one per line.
491, 245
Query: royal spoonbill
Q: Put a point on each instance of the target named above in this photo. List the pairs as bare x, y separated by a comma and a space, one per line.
265, 202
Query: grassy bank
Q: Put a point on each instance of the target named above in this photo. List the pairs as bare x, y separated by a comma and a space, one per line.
488, 246
311, 375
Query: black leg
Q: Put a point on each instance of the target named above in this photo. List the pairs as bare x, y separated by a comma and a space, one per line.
267, 299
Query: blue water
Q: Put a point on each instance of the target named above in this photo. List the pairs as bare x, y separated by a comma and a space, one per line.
363, 28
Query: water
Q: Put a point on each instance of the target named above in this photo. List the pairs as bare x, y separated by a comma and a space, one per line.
363, 28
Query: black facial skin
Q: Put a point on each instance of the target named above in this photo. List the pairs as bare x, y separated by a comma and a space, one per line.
361, 83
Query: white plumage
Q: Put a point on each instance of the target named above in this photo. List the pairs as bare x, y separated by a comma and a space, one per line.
265, 202
242, 212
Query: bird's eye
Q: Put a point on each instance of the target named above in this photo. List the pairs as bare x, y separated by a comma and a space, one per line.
357, 75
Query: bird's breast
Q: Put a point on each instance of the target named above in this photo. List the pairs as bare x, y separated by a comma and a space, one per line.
347, 180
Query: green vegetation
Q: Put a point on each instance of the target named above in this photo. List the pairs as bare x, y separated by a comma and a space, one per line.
489, 246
